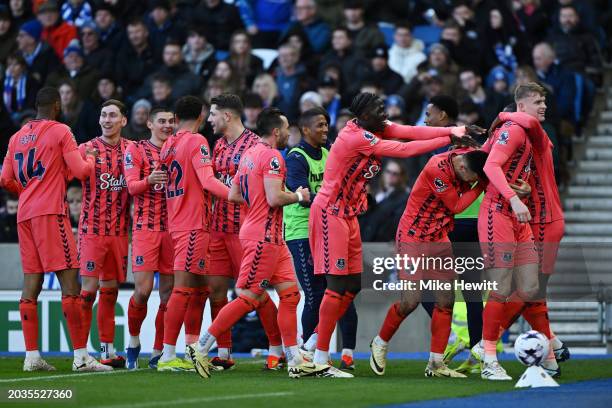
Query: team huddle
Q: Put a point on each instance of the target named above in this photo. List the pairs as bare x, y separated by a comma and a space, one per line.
203, 218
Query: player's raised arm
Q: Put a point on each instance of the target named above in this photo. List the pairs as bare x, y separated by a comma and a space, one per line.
79, 161
7, 179
407, 132
132, 166
203, 166
276, 197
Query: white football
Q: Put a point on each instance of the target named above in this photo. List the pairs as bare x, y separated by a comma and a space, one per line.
531, 348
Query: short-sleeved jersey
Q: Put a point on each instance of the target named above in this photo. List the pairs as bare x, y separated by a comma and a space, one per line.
427, 217
262, 222
106, 202
189, 205
227, 216
150, 210
35, 157
511, 140
350, 166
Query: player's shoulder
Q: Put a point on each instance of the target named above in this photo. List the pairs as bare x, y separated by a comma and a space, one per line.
508, 132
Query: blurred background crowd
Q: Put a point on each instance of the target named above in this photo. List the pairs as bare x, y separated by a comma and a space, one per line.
466, 55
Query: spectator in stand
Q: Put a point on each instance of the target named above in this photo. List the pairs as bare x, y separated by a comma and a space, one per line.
242, 60
575, 47
430, 86
264, 85
489, 102
161, 91
469, 114
464, 15
463, 51
439, 64
503, 43
21, 11
80, 115
232, 80
395, 107
291, 80
39, 56
199, 54
585, 11
106, 89
112, 34
328, 89
216, 86
560, 80
365, 37
20, 87
354, 68
8, 219
76, 70
135, 60
380, 72
162, 27
533, 20
102, 59
265, 20
253, 105
406, 53
74, 197
317, 31
310, 100
77, 12
220, 19
136, 128
380, 223
56, 33
8, 35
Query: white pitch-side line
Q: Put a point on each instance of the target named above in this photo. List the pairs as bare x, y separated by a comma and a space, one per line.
52, 377
196, 400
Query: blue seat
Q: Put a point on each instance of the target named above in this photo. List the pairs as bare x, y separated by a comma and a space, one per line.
427, 33
221, 55
388, 30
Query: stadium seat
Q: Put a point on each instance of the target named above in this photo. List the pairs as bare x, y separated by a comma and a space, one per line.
221, 55
268, 55
387, 29
427, 33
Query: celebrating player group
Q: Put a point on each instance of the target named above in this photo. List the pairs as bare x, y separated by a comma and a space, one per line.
203, 218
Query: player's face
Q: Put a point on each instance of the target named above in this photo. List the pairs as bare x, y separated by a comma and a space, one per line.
533, 105
374, 119
283, 134
111, 121
465, 173
218, 119
318, 130
433, 116
161, 125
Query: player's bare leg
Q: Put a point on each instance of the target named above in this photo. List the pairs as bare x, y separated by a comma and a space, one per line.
166, 282
28, 309
137, 312
409, 301
440, 331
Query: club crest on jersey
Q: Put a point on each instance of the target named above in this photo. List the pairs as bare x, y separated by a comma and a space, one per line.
507, 256
274, 166
440, 185
129, 163
340, 263
236, 158
91, 265
265, 284
370, 138
201, 264
503, 137
139, 260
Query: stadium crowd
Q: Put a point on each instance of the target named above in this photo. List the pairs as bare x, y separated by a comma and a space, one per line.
296, 54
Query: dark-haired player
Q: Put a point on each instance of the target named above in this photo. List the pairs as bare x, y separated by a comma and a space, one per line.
152, 246
266, 261
444, 188
191, 184
103, 228
353, 160
225, 249
40, 157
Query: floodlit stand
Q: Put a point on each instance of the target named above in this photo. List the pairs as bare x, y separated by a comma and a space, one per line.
535, 377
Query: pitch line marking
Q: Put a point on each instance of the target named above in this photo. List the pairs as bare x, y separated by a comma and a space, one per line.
52, 377
196, 400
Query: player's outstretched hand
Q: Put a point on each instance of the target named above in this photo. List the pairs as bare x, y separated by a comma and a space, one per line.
157, 176
92, 152
305, 194
475, 131
464, 141
521, 188
520, 209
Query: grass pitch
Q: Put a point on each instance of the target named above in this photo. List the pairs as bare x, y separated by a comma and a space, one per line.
249, 386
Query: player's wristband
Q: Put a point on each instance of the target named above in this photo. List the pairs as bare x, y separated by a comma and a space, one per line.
300, 196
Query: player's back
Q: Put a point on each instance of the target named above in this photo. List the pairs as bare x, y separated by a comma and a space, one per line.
228, 216
348, 169
262, 222
36, 151
189, 205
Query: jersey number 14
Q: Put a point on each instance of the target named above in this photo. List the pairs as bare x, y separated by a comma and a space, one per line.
32, 169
